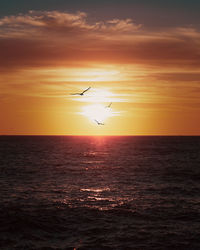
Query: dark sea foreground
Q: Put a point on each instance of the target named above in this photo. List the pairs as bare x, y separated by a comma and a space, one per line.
59, 192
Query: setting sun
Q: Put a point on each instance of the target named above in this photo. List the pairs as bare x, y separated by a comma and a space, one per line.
97, 112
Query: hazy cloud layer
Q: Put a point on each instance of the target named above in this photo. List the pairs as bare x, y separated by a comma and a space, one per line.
52, 38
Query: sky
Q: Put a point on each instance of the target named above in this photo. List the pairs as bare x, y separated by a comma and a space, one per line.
143, 57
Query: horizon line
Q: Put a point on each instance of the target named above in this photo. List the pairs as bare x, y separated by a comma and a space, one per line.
100, 135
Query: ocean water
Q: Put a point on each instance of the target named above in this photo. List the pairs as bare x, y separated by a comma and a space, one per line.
61, 192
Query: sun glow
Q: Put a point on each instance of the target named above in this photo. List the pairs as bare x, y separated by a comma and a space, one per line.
97, 112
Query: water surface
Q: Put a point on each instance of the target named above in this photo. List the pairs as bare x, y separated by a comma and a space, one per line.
61, 192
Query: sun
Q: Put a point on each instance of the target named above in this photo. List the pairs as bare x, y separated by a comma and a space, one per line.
97, 112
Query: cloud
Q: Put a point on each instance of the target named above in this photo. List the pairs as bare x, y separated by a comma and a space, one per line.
45, 19
53, 39
178, 77
63, 22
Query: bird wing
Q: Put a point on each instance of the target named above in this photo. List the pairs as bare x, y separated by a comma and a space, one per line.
108, 106
86, 90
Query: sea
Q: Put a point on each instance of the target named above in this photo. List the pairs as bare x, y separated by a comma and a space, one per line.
87, 192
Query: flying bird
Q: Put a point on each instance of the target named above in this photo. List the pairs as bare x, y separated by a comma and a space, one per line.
99, 123
82, 93
108, 106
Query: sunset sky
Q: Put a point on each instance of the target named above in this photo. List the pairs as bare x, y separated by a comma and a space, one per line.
141, 55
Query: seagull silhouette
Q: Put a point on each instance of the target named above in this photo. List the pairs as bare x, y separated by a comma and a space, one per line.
108, 106
99, 123
82, 93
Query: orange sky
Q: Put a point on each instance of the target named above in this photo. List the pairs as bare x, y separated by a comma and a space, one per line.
152, 77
